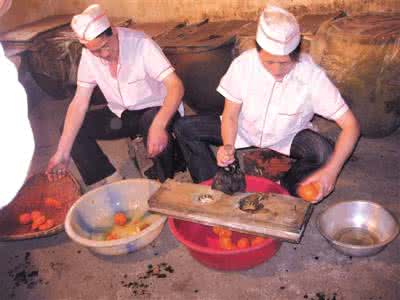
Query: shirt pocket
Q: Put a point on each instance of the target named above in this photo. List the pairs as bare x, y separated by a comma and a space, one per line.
289, 118
139, 89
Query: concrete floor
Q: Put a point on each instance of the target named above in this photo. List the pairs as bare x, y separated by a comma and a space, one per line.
57, 268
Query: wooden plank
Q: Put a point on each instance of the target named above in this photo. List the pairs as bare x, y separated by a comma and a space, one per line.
28, 32
281, 216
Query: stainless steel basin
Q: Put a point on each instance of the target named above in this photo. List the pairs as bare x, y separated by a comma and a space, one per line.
358, 228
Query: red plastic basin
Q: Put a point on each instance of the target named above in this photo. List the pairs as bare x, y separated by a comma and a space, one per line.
202, 243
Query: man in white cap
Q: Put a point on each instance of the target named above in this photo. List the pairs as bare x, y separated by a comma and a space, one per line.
15, 131
143, 94
271, 94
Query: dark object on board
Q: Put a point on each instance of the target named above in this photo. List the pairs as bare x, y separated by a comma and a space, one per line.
265, 163
229, 179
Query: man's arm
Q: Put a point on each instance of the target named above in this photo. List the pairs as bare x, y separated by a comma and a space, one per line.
229, 125
344, 146
158, 138
75, 115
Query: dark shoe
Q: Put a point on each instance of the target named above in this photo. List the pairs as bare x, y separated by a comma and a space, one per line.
151, 173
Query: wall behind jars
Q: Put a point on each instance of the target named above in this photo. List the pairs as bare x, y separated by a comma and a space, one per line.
24, 11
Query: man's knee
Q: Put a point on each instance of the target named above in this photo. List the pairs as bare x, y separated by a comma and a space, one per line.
323, 149
181, 128
312, 146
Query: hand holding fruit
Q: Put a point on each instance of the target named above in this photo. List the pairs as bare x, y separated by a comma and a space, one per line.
309, 192
317, 186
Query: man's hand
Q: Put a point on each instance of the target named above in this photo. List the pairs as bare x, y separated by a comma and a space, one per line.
225, 155
345, 143
326, 180
157, 140
57, 166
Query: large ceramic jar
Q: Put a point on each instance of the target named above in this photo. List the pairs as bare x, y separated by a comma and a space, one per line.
361, 55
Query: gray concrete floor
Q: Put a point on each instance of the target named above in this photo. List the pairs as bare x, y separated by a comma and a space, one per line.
57, 268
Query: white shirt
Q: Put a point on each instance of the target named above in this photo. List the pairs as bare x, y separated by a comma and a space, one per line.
141, 70
15, 132
273, 112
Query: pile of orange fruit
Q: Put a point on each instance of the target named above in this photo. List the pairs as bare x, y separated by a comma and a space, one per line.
225, 240
37, 219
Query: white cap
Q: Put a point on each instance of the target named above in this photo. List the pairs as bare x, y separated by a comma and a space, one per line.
90, 23
4, 6
278, 31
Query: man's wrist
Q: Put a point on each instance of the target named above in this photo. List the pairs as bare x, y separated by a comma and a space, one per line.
332, 169
158, 126
61, 151
159, 123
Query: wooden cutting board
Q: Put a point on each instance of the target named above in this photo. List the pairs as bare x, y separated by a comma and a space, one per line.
279, 216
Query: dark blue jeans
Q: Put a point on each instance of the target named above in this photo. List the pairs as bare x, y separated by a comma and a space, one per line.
195, 134
102, 124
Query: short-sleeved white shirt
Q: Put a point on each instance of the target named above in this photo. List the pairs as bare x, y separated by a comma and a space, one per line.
273, 112
142, 67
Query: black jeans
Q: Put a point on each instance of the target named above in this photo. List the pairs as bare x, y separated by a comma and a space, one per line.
195, 134
102, 124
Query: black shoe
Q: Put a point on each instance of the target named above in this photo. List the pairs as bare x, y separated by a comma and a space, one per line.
151, 173
180, 166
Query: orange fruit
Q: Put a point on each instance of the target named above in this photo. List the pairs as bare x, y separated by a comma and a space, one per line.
49, 224
25, 218
225, 233
216, 229
51, 202
258, 240
37, 222
111, 236
120, 219
243, 243
35, 214
221, 232
225, 243
309, 192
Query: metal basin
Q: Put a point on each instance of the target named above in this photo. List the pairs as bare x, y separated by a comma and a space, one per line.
358, 228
